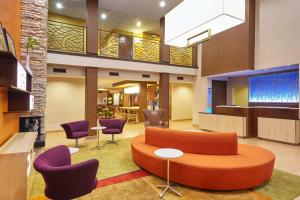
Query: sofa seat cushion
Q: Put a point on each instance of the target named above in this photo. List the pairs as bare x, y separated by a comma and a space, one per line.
251, 167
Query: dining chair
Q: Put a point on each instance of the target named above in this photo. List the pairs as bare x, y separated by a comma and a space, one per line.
133, 116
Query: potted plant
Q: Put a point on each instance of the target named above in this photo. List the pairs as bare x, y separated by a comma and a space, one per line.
31, 42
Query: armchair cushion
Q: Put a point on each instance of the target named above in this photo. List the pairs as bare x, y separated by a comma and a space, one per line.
111, 131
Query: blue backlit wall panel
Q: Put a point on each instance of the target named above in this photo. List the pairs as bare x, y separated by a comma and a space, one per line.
275, 88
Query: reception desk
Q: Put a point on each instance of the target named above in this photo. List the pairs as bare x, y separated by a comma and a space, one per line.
226, 119
272, 123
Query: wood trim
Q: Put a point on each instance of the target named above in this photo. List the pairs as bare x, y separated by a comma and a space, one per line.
92, 26
164, 94
91, 85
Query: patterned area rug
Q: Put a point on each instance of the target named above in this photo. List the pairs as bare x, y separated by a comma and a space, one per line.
121, 179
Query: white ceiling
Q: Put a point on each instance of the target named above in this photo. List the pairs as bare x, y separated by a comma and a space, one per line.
121, 14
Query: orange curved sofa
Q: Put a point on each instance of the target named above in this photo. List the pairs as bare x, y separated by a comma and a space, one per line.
213, 161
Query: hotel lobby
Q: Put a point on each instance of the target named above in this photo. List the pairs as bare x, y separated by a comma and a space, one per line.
149, 99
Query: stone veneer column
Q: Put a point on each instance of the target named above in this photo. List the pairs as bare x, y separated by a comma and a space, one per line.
34, 18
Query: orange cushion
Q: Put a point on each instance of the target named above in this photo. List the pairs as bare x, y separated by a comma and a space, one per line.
251, 167
192, 141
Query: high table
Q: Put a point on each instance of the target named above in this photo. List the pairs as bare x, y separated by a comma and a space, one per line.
98, 128
168, 154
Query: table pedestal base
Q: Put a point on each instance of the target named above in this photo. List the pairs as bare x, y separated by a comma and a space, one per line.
167, 187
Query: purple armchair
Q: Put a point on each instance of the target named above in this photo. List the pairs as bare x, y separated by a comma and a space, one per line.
113, 127
76, 130
63, 180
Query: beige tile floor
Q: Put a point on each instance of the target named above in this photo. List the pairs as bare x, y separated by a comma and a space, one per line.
287, 156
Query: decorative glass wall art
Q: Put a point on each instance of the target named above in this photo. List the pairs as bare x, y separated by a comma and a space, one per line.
209, 101
275, 88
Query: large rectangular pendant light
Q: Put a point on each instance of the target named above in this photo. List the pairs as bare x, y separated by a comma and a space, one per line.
194, 21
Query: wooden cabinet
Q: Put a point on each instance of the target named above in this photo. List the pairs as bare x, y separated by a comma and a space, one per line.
283, 130
223, 123
208, 121
232, 124
16, 157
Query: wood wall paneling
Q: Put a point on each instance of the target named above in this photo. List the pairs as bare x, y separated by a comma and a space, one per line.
91, 84
233, 49
10, 17
92, 26
9, 122
164, 56
219, 94
164, 94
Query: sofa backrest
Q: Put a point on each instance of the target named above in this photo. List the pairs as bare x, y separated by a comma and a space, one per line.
207, 143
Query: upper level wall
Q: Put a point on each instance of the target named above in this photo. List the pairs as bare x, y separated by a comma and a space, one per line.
107, 63
277, 40
233, 49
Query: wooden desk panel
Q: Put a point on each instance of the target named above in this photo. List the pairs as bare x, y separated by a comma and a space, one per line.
240, 112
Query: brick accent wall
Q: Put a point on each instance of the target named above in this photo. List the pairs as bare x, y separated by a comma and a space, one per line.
34, 17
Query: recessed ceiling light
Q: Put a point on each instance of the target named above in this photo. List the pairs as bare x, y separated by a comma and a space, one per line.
103, 16
59, 5
138, 23
162, 3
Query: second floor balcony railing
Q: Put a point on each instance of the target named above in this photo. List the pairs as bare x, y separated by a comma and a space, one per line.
63, 37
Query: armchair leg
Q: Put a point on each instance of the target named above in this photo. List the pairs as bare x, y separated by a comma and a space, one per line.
76, 142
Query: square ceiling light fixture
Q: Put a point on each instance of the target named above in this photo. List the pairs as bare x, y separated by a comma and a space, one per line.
194, 21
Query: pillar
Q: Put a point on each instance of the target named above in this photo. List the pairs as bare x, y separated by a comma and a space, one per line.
91, 84
164, 94
92, 20
164, 50
143, 100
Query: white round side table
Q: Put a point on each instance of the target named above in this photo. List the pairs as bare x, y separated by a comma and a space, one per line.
73, 150
98, 128
168, 154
